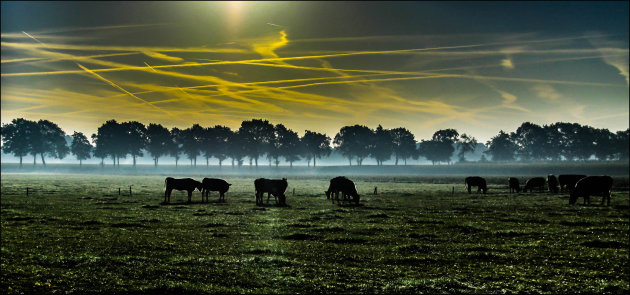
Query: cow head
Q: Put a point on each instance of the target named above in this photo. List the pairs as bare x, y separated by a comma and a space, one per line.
199, 186
327, 194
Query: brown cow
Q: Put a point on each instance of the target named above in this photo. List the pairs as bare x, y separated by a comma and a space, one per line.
343, 185
183, 184
531, 183
592, 185
514, 185
275, 187
477, 181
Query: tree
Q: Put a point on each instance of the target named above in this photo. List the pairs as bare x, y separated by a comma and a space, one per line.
134, 138
174, 148
622, 144
191, 143
208, 143
404, 144
289, 144
159, 139
16, 137
257, 134
49, 140
315, 146
501, 147
575, 141
382, 145
604, 145
98, 151
107, 140
236, 150
465, 144
80, 147
441, 146
222, 136
354, 141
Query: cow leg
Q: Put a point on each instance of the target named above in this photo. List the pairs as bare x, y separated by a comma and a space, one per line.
167, 194
468, 186
189, 196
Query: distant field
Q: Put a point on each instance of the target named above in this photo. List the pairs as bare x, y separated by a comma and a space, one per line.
420, 234
482, 169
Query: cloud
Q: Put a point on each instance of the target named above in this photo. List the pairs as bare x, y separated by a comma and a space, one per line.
605, 46
165, 57
507, 64
547, 91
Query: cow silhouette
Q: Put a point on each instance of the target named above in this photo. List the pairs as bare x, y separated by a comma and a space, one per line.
183, 184
535, 182
568, 181
514, 185
477, 181
552, 183
275, 187
592, 185
213, 185
345, 186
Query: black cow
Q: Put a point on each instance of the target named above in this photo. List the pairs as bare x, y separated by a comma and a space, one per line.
534, 182
552, 182
568, 181
181, 184
343, 185
213, 185
275, 187
592, 185
514, 185
477, 181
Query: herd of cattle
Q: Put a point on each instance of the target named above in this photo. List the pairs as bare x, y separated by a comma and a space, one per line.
577, 185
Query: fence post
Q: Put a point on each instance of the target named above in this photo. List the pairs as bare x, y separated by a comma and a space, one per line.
119, 191
27, 191
294, 191
375, 191
130, 190
453, 192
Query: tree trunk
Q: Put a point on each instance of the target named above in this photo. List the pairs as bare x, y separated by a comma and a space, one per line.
256, 160
220, 163
207, 162
42, 156
176, 160
20, 161
232, 162
34, 159
349, 161
313, 162
396, 160
134, 160
405, 161
80, 163
291, 164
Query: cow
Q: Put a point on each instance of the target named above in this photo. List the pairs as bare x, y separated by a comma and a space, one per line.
568, 181
534, 182
552, 182
343, 185
477, 181
213, 185
275, 187
592, 185
180, 184
514, 185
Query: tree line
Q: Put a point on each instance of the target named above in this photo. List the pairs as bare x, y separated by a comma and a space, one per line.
257, 138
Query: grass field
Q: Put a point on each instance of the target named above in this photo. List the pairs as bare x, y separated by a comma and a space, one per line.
75, 234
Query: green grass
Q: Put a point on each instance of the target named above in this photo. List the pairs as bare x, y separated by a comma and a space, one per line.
75, 234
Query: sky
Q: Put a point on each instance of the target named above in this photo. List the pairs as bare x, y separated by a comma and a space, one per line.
477, 67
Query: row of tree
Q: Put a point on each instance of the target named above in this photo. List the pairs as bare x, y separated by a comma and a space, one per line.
258, 138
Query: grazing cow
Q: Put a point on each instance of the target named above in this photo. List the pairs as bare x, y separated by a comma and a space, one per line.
477, 181
568, 181
343, 185
275, 187
514, 185
592, 185
181, 184
552, 182
531, 183
213, 185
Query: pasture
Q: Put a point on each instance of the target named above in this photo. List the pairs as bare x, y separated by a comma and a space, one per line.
75, 234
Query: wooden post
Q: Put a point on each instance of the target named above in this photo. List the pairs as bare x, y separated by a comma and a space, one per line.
375, 191
453, 192
294, 191
119, 191
27, 191
130, 190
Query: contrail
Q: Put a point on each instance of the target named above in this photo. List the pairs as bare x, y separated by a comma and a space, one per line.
123, 90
